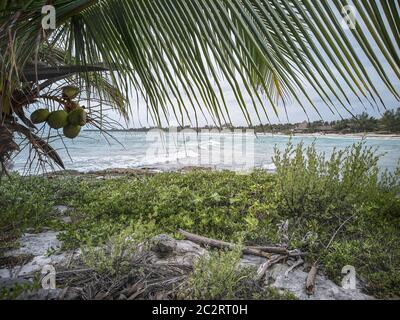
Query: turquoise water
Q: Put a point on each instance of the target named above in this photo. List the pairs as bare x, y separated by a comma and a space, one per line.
91, 151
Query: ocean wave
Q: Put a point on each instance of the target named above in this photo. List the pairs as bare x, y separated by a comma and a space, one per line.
170, 157
98, 155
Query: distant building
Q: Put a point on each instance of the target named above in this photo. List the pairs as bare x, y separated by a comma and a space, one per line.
302, 126
324, 128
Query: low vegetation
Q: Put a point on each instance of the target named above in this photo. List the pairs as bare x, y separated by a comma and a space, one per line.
219, 277
341, 209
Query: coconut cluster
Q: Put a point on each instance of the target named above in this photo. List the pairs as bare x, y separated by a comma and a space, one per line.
71, 120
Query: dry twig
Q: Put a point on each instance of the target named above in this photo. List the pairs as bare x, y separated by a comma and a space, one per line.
266, 265
298, 263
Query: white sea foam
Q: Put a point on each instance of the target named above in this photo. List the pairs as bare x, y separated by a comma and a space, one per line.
219, 151
170, 157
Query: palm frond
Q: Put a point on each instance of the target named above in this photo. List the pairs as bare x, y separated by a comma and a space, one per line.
269, 51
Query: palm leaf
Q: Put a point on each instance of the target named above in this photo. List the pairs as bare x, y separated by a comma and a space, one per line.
268, 51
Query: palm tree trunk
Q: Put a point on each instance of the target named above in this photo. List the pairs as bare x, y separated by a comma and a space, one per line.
7, 147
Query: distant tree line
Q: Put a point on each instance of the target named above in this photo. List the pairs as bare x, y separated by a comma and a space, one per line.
388, 123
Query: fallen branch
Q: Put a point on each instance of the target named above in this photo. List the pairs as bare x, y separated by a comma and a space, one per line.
266, 265
221, 244
299, 262
310, 283
276, 250
256, 251
280, 250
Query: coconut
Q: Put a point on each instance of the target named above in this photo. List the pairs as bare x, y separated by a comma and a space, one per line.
77, 117
71, 131
40, 115
72, 105
70, 92
58, 119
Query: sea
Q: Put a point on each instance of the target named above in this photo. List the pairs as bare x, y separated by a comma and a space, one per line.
239, 150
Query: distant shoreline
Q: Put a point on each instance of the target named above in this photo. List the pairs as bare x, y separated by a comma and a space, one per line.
363, 125
297, 134
350, 135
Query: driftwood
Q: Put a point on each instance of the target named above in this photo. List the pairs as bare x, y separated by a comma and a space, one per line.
310, 283
256, 251
298, 263
273, 255
275, 250
222, 244
280, 250
266, 265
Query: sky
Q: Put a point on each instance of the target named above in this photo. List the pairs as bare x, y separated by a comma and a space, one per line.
294, 111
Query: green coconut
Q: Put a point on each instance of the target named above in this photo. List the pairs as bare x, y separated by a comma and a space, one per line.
77, 117
58, 119
70, 92
71, 131
40, 115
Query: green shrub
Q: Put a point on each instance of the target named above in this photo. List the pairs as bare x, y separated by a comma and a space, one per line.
216, 204
219, 277
343, 211
25, 202
113, 259
12, 292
